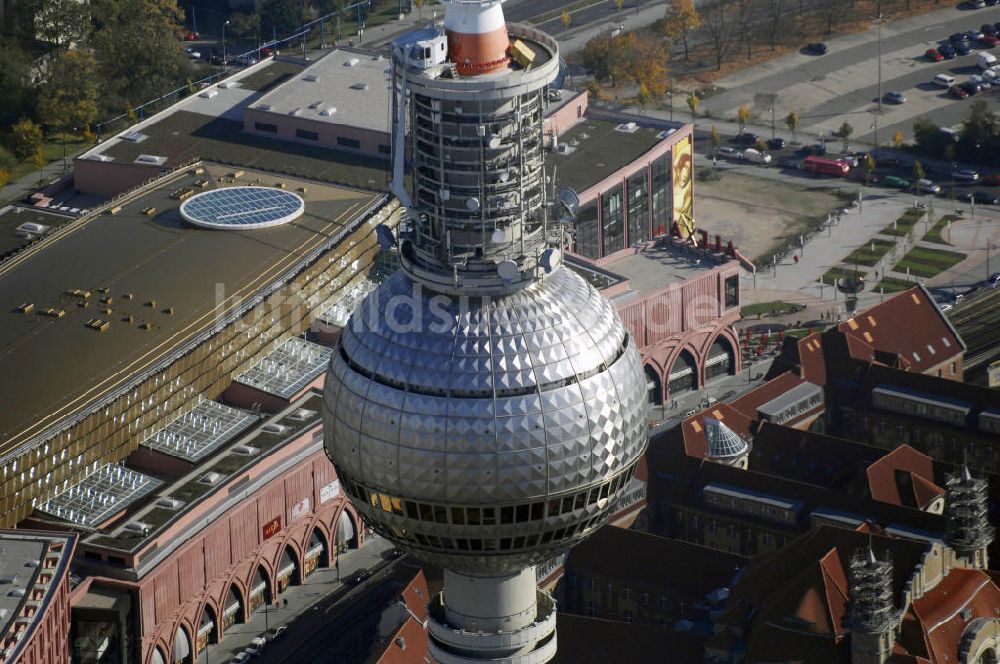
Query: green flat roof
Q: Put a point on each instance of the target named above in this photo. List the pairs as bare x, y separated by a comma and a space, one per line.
53, 368
598, 151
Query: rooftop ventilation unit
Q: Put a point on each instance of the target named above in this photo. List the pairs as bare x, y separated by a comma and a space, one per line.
359, 86
229, 84
312, 78
666, 132
295, 112
302, 415
169, 503
102, 157
208, 94
137, 527
272, 427
211, 479
246, 450
328, 111
352, 62
151, 159
16, 592
263, 107
316, 104
134, 137
627, 128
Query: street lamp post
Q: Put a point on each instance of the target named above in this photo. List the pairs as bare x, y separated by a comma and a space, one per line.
878, 21
224, 59
670, 98
772, 122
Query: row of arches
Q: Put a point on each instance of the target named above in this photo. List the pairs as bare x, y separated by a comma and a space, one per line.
676, 371
241, 601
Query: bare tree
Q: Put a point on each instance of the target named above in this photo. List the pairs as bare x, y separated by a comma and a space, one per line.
745, 25
719, 23
774, 17
832, 11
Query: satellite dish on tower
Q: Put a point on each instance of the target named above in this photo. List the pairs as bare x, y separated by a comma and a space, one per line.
498, 236
550, 258
386, 240
494, 142
472, 203
507, 269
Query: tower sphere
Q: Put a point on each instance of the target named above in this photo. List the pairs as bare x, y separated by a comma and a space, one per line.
486, 434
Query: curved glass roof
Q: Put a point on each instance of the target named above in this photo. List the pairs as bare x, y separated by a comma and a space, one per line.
242, 208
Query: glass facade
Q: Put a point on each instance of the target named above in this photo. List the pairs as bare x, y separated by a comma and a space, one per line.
661, 195
638, 207
586, 231
613, 219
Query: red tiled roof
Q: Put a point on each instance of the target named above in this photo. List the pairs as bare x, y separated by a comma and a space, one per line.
407, 646
909, 325
811, 359
939, 611
416, 596
748, 403
884, 478
693, 428
814, 601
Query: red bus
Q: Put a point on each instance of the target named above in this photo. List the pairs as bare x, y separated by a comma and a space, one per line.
826, 166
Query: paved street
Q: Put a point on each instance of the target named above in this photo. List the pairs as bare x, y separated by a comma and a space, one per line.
322, 585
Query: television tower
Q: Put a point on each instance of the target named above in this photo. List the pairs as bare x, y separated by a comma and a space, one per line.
486, 407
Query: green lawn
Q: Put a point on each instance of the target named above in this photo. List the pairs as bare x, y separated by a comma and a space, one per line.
929, 262
893, 285
905, 223
934, 234
53, 152
774, 307
835, 273
870, 253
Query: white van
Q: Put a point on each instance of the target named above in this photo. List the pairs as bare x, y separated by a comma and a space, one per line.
944, 81
756, 156
985, 60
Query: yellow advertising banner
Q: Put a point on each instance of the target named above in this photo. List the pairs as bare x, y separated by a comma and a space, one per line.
683, 177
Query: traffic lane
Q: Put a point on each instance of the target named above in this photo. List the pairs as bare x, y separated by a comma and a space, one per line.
332, 627
601, 11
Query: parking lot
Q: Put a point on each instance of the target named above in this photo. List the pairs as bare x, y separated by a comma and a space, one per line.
843, 85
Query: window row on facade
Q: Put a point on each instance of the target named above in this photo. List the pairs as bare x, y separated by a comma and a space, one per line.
633, 211
488, 516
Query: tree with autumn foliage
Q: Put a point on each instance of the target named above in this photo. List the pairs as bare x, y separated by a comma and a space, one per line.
639, 58
682, 19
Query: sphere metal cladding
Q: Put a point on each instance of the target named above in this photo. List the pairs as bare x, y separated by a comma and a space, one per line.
486, 435
242, 208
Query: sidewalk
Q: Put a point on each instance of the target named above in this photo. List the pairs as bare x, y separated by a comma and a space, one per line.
321, 583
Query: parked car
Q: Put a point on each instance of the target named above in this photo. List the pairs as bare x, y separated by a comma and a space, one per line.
964, 196
273, 633
817, 48
993, 279
988, 29
895, 181
888, 162
992, 180
895, 97
793, 163
989, 41
746, 138
360, 576
727, 152
963, 48
985, 198
965, 175
756, 156
193, 53
980, 82
993, 76
925, 186
944, 306
958, 92
973, 35
776, 143
933, 55
956, 37
947, 51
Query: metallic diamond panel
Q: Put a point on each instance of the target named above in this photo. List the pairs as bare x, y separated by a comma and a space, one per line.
469, 402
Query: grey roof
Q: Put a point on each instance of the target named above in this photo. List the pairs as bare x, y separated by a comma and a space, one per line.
355, 83
756, 496
923, 397
793, 396
723, 442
